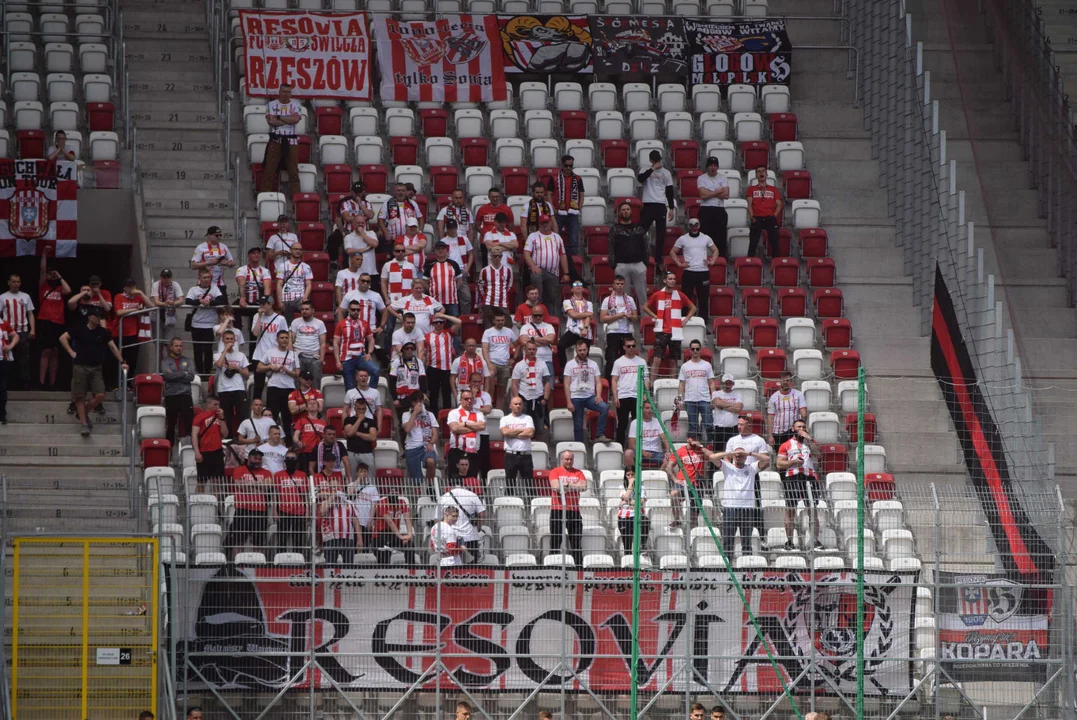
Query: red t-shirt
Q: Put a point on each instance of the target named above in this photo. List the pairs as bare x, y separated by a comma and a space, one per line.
485, 215
764, 200
310, 432
130, 324
389, 510
299, 397
694, 463
209, 431
572, 495
244, 484
523, 313
51, 302
292, 491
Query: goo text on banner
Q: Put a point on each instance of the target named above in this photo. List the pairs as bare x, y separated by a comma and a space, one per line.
38, 208
743, 53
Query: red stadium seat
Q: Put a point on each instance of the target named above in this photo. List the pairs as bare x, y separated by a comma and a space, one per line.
749, 271
852, 427
473, 151
812, 242
311, 236
598, 240
634, 202
646, 324
763, 332
303, 149
828, 303
100, 116
515, 180
542, 483
543, 175
797, 184
833, 458
319, 264
755, 417
106, 174
783, 127
434, 122
785, 242
718, 271
784, 271
727, 331
686, 181
821, 272
756, 302
256, 177
330, 367
156, 452
149, 389
573, 125
677, 271
721, 301
792, 302
880, 486
685, 154
376, 178
386, 432
31, 144
614, 153
837, 334
771, 363
329, 120
471, 327
334, 417
444, 179
691, 207
390, 480
307, 207
845, 364
404, 150
330, 321
268, 229
497, 456
338, 178
322, 294
755, 154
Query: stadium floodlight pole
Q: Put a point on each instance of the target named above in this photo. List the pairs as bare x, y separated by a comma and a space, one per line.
690, 489
860, 479
637, 496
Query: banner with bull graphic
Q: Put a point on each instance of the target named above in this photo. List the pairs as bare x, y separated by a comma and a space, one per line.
38, 208
454, 59
546, 43
739, 53
383, 628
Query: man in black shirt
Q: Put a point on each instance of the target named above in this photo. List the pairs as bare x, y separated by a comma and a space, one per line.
91, 340
628, 252
361, 433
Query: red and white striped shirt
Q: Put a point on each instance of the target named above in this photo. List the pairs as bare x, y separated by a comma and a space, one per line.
463, 366
348, 280
415, 247
493, 239
7, 336
793, 449
339, 524
495, 285
546, 251
353, 335
667, 304
468, 442
443, 282
784, 410
15, 308
252, 280
440, 351
396, 278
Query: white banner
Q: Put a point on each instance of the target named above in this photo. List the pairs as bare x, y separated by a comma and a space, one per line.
320, 55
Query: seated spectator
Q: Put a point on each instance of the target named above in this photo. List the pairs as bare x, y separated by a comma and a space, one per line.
61, 149
655, 444
486, 216
445, 540
626, 513
471, 509
581, 393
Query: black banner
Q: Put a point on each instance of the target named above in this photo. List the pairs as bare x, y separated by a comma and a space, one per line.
639, 44
546, 43
745, 53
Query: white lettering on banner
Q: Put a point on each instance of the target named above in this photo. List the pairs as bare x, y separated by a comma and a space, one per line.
319, 55
501, 629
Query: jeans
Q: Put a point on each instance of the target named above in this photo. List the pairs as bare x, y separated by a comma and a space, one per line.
570, 232
354, 364
635, 275
522, 466
699, 412
415, 461
713, 221
550, 286
733, 519
311, 364
581, 406
769, 224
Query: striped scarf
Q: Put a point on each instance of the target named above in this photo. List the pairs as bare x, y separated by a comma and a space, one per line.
567, 193
670, 303
462, 215
166, 292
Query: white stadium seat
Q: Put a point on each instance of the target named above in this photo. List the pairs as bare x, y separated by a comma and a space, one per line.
568, 96
439, 151
93, 58
333, 149
504, 124
510, 151
400, 122
713, 126
25, 86
538, 124
636, 96
270, 206
602, 96
96, 88
256, 148
28, 115
806, 214
775, 99
790, 155
740, 98
533, 96
582, 152
609, 125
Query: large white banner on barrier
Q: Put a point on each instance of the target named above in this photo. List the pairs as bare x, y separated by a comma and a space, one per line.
380, 628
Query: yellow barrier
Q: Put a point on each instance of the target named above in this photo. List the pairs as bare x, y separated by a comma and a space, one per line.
84, 619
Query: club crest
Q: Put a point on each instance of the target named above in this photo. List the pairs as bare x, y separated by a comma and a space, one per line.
29, 217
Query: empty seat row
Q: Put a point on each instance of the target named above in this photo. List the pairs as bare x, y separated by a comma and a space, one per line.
58, 57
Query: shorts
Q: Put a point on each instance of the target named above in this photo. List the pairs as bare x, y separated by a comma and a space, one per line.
48, 334
87, 378
654, 457
795, 488
665, 347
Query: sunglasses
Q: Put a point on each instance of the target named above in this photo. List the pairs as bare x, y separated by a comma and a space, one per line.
630, 347
398, 250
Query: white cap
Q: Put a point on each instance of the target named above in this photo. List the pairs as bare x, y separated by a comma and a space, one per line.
412, 222
728, 378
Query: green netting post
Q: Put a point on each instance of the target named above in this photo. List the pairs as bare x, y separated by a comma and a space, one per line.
860, 480
637, 492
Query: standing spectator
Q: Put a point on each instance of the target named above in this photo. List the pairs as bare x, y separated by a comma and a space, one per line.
530, 382
726, 404
91, 295
738, 496
471, 509
340, 530
362, 242
308, 339
353, 346
465, 424
764, 206
536, 207
308, 431
91, 340
714, 190
361, 434
251, 487
415, 244
457, 211
628, 251
443, 273
462, 253
566, 195
685, 467
745, 438
579, 314
531, 301
495, 285
497, 343
486, 215
268, 324
17, 310
440, 352
347, 282
294, 287
273, 450
214, 256
624, 385
371, 306
206, 297
226, 320
795, 458
396, 211
785, 407
420, 429
9, 340
518, 430
654, 443
618, 312
283, 115
231, 382
253, 282
331, 450
696, 252
696, 381
178, 373
581, 393
483, 404
306, 399
670, 310
52, 289
466, 365
281, 368
566, 484
131, 331
544, 255
293, 489
501, 236
407, 376
544, 336
167, 294
659, 205
626, 513
279, 246
362, 388
397, 276
409, 333
346, 212
420, 304
207, 433
444, 539
254, 430
394, 530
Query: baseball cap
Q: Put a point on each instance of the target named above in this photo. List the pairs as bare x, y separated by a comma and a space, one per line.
166, 273
412, 222
728, 378
265, 300
94, 280
712, 161
544, 218
129, 282
255, 249
213, 230
440, 244
437, 320
409, 343
306, 375
449, 222
358, 186
254, 451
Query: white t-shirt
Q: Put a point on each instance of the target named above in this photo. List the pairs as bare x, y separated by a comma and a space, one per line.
574, 325
268, 339
370, 305
654, 187
295, 279
615, 305
251, 429
281, 242
401, 336
220, 338
545, 352
422, 431
441, 536
531, 379
459, 247
478, 402
785, 409
204, 317
738, 489
347, 280
751, 443
373, 399
724, 418
462, 216
308, 335
355, 241
652, 434
276, 108
627, 374
696, 376
237, 382
469, 503
205, 251
273, 457
706, 182
499, 343
493, 238
582, 378
515, 444
423, 309
289, 361
695, 251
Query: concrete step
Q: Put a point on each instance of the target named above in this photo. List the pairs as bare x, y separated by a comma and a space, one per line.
905, 416
182, 88
848, 173
205, 146
824, 118
843, 236
177, 119
197, 74
167, 158
189, 208
1040, 322
21, 465
62, 486
895, 353
110, 425
190, 175
52, 412
82, 512
159, 192
151, 47
141, 104
1046, 293
76, 526
869, 262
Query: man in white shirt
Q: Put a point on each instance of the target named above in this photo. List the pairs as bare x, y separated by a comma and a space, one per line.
517, 431
420, 429
273, 451
308, 339
205, 297
659, 205
738, 495
619, 313
419, 304
695, 252
254, 430
581, 393
363, 389
655, 445
293, 287
214, 256
232, 371
786, 406
624, 385
714, 189
283, 115
726, 406
267, 324
362, 241
167, 294
471, 509
253, 282
444, 539
348, 280
746, 439
396, 211
17, 310
279, 246
409, 332
465, 424
371, 304
497, 342
696, 379
544, 336
284, 366
530, 381
579, 321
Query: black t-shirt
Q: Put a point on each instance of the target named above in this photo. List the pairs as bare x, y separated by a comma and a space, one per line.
357, 444
89, 345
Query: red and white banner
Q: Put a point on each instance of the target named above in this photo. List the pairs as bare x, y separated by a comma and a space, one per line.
318, 54
455, 59
38, 208
493, 629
